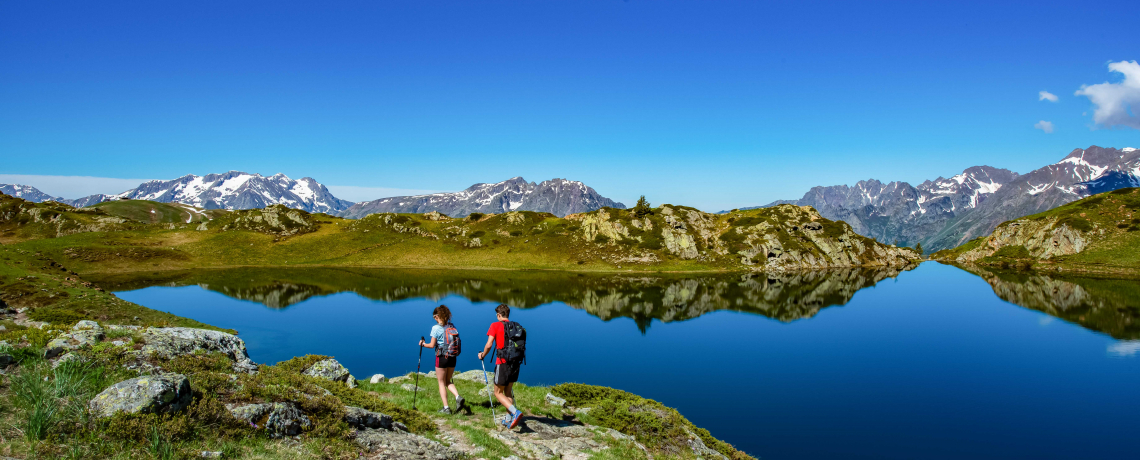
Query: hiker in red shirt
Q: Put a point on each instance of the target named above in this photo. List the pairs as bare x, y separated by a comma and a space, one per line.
506, 371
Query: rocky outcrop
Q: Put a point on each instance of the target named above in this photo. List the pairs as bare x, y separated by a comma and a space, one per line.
278, 219
1042, 238
331, 369
174, 341
277, 419
399, 445
84, 333
362, 418
151, 394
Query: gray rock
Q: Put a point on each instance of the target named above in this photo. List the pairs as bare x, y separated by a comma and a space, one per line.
363, 418
351, 382
65, 358
169, 342
277, 419
397, 445
475, 376
328, 369
83, 334
487, 391
6, 359
430, 375
161, 394
555, 401
376, 379
400, 379
411, 387
211, 454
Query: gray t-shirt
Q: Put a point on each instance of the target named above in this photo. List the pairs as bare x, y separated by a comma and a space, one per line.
437, 334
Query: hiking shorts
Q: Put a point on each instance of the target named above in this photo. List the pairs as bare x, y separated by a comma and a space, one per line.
506, 373
444, 362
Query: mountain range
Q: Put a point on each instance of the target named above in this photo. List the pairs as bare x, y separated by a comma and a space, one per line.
944, 213
556, 196
240, 190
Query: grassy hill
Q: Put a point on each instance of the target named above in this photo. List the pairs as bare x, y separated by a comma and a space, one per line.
1098, 233
151, 212
668, 238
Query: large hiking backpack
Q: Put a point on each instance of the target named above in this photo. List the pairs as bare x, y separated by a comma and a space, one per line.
451, 344
514, 350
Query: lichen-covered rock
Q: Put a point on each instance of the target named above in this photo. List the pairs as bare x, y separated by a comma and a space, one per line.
554, 400
376, 379
363, 418
351, 382
411, 387
84, 333
400, 379
328, 369
1042, 239
397, 445
169, 342
277, 419
475, 376
144, 395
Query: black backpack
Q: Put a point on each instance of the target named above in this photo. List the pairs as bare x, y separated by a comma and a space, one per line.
514, 350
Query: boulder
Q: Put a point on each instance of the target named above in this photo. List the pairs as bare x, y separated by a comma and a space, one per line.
430, 375
66, 358
411, 387
363, 418
475, 376
397, 445
149, 394
351, 382
84, 333
555, 401
376, 379
400, 379
6, 359
168, 342
277, 419
328, 369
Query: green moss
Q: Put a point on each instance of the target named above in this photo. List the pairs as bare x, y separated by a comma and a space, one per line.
1076, 223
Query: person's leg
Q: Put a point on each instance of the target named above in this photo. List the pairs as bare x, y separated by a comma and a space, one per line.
509, 394
441, 377
451, 381
501, 396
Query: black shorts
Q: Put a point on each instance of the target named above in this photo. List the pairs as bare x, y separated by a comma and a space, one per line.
444, 362
506, 373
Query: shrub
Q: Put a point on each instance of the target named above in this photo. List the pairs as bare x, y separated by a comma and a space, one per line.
601, 239
516, 233
475, 216
477, 234
650, 241
1076, 223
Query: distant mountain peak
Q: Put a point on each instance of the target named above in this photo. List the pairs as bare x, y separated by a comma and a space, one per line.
556, 196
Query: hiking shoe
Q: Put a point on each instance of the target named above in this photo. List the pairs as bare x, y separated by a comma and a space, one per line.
515, 419
460, 403
444, 410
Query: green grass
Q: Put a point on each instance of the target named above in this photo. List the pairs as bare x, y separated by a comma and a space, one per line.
150, 212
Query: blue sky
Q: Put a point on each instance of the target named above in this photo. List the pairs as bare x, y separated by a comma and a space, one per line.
714, 104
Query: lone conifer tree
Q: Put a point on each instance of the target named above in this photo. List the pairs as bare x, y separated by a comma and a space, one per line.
918, 247
641, 209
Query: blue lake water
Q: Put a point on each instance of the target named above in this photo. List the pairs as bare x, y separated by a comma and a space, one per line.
927, 363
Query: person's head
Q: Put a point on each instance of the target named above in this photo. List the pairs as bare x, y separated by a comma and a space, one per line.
503, 312
442, 315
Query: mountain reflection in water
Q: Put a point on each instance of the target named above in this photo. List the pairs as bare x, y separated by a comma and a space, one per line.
642, 297
1107, 305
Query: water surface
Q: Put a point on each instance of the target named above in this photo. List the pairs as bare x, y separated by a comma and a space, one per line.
935, 362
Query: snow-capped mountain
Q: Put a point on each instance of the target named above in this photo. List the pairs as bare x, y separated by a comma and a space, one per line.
556, 196
28, 192
238, 190
1081, 173
944, 213
898, 211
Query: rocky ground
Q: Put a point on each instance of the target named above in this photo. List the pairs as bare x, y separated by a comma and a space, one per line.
177, 392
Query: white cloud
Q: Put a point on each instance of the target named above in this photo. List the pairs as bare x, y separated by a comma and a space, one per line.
1124, 348
72, 187
1046, 96
1043, 125
358, 194
1116, 102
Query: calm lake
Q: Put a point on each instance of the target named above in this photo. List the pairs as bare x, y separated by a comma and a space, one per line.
935, 362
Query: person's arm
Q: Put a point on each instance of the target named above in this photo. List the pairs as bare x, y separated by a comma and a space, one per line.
430, 344
487, 347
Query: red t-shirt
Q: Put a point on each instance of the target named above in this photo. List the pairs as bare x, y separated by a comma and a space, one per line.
499, 334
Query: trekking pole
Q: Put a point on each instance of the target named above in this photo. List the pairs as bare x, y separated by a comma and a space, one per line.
490, 395
416, 392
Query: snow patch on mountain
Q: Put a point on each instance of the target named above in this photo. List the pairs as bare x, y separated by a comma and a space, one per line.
556, 196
